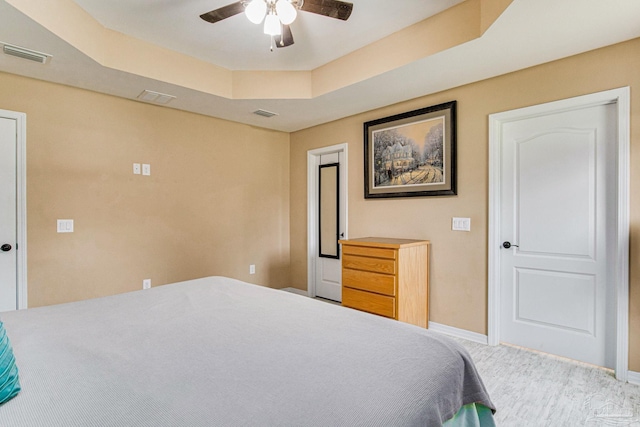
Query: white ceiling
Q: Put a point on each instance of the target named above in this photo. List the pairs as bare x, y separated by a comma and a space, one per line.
237, 44
528, 33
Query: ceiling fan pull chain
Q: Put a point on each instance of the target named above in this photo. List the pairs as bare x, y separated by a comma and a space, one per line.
271, 43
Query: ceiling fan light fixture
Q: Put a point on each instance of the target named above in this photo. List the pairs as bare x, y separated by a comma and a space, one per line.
286, 12
256, 11
272, 25
279, 14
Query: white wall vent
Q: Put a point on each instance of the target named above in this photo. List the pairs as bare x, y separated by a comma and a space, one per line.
155, 97
265, 113
24, 53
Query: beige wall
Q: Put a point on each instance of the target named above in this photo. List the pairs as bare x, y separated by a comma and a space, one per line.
459, 260
217, 199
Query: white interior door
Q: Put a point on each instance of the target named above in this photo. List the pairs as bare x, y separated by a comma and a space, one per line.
558, 212
331, 202
8, 215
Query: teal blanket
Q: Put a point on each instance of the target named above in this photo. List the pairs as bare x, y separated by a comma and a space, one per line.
472, 415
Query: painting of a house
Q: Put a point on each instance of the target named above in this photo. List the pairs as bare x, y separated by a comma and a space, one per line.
410, 155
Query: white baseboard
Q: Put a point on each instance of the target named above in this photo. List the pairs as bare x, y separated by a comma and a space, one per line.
295, 291
458, 333
633, 377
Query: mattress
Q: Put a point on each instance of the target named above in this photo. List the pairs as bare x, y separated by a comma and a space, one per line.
221, 352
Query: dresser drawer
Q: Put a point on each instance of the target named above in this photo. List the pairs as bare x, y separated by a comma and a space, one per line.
377, 265
367, 251
368, 301
367, 281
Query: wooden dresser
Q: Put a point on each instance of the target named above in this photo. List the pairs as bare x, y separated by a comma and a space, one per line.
389, 277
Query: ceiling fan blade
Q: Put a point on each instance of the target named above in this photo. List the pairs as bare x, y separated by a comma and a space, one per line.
286, 39
331, 8
223, 12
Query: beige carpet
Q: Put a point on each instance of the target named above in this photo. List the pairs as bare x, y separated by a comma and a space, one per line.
535, 389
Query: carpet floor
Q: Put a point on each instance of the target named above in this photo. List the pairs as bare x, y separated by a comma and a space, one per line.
537, 389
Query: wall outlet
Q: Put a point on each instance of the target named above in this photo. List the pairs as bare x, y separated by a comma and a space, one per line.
136, 169
146, 284
252, 269
146, 169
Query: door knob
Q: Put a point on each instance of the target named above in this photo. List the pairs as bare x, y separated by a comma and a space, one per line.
5, 248
507, 245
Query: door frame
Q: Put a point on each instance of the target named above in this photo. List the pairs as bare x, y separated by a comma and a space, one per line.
313, 161
21, 203
621, 98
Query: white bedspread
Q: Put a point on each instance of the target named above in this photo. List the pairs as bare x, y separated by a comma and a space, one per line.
220, 352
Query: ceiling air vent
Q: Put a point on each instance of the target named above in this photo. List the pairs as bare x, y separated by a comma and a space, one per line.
265, 113
23, 53
156, 97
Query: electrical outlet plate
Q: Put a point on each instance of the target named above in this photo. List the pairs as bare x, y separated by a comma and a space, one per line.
136, 169
146, 169
146, 284
252, 269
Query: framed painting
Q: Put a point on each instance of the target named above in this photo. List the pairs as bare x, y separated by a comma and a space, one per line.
411, 154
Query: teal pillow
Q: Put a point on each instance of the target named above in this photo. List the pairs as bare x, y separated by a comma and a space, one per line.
9, 382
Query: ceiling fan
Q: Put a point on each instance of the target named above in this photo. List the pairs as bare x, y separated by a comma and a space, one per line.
278, 14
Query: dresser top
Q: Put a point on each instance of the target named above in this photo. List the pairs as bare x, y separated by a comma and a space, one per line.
384, 242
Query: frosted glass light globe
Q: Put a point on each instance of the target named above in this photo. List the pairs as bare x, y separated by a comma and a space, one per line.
256, 10
286, 12
272, 25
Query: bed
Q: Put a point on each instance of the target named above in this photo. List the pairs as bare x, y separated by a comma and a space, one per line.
220, 352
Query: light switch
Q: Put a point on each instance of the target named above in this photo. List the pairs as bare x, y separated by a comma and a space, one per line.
136, 168
65, 226
461, 224
146, 169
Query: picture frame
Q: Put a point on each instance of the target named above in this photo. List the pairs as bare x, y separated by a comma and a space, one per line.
412, 154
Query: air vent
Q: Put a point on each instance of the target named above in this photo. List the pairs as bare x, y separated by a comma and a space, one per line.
155, 97
23, 53
265, 113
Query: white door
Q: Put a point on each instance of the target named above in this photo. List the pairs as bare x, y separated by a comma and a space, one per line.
8, 215
331, 202
558, 192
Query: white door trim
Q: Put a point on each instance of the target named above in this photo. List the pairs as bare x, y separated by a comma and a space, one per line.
620, 97
21, 192
313, 160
